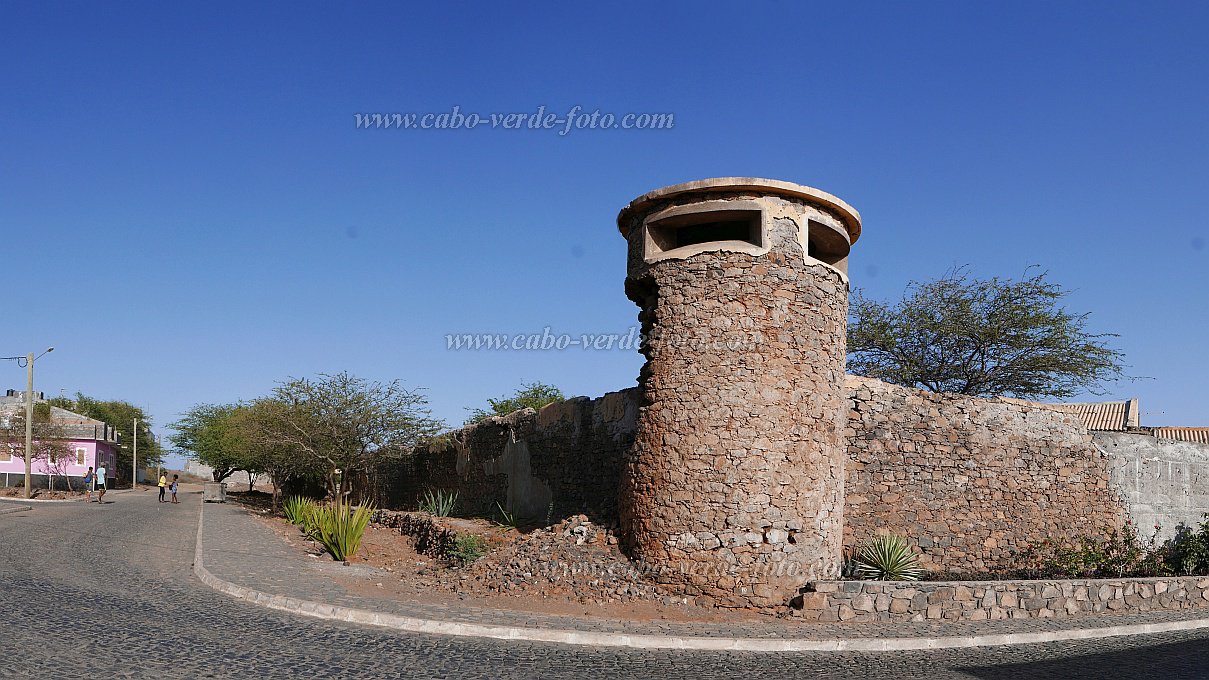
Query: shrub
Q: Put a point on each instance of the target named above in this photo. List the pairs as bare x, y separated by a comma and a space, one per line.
888, 558
1119, 554
440, 503
467, 548
340, 526
1188, 552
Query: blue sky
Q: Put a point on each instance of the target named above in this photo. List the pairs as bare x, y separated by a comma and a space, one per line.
185, 192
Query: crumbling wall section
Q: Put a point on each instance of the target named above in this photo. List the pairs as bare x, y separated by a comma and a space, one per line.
539, 465
1165, 482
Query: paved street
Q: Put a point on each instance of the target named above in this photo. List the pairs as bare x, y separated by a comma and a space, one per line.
92, 590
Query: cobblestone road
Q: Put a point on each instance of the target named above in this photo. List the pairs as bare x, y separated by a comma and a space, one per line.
91, 590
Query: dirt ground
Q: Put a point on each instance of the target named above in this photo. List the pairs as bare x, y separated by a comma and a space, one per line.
391, 567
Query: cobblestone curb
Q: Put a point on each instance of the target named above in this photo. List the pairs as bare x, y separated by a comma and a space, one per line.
604, 639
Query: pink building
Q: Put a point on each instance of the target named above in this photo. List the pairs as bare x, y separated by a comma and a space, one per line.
85, 443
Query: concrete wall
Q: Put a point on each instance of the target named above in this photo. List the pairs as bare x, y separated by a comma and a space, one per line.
1163, 481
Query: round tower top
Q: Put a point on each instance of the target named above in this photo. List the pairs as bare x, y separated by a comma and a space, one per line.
770, 187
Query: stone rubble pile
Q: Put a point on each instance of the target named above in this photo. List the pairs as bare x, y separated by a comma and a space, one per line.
574, 558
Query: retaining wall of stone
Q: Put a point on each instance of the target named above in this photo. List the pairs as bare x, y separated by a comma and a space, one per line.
431, 538
862, 601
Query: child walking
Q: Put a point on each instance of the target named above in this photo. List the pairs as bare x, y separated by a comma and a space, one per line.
174, 486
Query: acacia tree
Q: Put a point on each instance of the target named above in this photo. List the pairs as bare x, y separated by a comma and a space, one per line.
346, 425
982, 337
206, 433
530, 395
260, 450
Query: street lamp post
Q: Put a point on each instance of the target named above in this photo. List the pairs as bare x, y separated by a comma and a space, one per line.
134, 467
29, 419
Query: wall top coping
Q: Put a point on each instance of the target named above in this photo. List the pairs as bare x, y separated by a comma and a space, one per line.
770, 187
1013, 582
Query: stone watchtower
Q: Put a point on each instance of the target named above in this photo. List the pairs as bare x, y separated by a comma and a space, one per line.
734, 490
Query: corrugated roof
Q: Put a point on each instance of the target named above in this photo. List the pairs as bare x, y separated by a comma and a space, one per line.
1199, 435
1109, 416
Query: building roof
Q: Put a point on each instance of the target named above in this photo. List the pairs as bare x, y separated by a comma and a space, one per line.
74, 425
1108, 416
1105, 416
1199, 435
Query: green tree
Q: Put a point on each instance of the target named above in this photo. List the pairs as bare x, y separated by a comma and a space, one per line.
530, 395
346, 425
982, 337
121, 415
231, 437
260, 450
207, 434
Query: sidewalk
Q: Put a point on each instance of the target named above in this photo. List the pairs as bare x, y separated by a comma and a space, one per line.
243, 558
22, 499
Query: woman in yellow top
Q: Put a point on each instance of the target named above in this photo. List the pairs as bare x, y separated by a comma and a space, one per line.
163, 483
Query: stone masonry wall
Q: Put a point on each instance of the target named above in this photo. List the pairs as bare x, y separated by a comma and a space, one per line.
542, 465
968, 481
733, 493
862, 601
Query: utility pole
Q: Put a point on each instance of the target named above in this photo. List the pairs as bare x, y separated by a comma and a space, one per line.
29, 419
134, 467
29, 424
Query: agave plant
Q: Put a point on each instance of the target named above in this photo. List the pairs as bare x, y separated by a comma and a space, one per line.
440, 502
507, 520
887, 558
340, 526
295, 509
310, 518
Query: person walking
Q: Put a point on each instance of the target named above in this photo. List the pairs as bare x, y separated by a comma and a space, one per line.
100, 483
89, 477
163, 485
173, 488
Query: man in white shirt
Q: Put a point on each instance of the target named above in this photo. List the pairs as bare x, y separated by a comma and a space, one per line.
101, 483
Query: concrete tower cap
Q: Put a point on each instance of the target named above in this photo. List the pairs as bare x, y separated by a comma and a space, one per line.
850, 217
